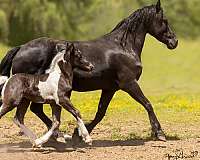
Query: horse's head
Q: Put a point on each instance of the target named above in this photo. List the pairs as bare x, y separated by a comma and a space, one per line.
76, 59
160, 29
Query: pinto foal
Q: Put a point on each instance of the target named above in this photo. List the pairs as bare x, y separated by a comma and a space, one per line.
53, 88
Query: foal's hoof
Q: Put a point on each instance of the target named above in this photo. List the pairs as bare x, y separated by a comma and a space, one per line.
37, 143
159, 136
88, 140
76, 139
20, 133
67, 137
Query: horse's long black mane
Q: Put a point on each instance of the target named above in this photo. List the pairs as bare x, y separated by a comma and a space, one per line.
131, 23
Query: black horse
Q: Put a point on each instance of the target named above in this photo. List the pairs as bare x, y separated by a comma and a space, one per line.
116, 57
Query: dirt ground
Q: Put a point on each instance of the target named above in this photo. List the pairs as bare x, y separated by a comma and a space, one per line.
15, 147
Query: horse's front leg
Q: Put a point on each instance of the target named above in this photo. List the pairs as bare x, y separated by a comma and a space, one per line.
133, 89
66, 104
57, 133
56, 110
105, 99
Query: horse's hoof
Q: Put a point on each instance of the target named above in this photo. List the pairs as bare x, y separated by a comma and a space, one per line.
88, 140
160, 136
37, 143
67, 137
76, 139
61, 140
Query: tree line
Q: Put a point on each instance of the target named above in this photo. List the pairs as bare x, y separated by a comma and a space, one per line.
23, 20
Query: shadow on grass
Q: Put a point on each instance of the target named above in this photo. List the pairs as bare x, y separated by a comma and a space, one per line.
54, 146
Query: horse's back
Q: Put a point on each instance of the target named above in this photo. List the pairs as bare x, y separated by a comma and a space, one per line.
35, 56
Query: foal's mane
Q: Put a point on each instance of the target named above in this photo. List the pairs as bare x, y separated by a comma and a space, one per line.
56, 59
131, 23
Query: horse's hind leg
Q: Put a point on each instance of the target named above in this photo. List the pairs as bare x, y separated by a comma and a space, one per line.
19, 119
5, 108
56, 110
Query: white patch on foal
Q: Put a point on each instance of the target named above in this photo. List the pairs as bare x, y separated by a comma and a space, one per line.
4, 86
49, 88
3, 79
1, 108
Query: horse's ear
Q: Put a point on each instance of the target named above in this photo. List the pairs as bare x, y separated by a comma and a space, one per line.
158, 6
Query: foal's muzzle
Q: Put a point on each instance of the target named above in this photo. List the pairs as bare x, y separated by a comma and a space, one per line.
89, 67
172, 43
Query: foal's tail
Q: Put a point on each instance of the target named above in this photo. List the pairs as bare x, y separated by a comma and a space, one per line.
5, 65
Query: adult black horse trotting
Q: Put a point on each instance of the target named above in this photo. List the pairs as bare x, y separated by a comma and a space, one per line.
116, 57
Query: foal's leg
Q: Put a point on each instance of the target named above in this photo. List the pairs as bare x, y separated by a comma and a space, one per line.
105, 99
5, 108
65, 103
133, 89
37, 109
19, 119
56, 123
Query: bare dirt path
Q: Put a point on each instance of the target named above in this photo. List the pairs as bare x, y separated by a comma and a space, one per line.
14, 147
105, 149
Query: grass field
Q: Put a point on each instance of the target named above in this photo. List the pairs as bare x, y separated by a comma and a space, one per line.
172, 83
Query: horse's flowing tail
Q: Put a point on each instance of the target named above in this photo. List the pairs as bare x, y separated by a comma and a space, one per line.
6, 64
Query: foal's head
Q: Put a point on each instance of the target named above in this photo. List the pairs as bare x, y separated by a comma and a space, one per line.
160, 29
74, 56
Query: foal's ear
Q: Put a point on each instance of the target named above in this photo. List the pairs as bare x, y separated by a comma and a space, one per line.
71, 48
158, 6
69, 52
60, 47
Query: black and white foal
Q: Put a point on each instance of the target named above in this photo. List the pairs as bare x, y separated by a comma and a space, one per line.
53, 88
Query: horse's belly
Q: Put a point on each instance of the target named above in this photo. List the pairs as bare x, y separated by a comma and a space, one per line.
91, 84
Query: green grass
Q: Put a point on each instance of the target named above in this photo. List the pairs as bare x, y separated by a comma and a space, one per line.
171, 81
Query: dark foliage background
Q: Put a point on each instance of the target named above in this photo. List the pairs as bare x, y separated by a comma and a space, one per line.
23, 20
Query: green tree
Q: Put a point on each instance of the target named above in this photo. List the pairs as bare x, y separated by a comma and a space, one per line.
3, 27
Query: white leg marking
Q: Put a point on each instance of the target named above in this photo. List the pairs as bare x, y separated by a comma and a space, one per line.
1, 107
38, 142
84, 132
25, 130
67, 137
3, 79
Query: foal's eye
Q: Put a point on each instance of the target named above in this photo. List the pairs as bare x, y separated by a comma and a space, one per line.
165, 21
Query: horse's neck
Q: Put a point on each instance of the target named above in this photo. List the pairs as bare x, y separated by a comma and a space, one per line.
134, 42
